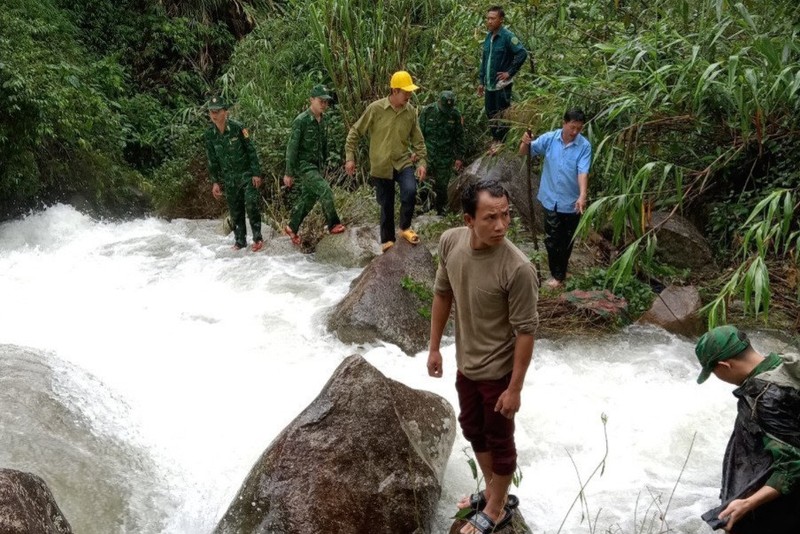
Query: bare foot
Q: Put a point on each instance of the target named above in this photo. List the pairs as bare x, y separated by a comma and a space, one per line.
465, 502
552, 283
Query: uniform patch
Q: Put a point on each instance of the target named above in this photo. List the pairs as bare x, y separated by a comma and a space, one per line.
245, 133
514, 40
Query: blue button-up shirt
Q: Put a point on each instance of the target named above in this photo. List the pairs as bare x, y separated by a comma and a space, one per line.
559, 190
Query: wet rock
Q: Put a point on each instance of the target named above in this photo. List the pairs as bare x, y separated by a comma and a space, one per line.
27, 506
681, 245
511, 171
368, 455
356, 247
675, 310
379, 308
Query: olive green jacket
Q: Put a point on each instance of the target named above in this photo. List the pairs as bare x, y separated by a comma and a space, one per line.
443, 130
231, 153
392, 135
308, 144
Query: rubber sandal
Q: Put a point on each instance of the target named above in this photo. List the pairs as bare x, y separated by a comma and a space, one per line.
477, 502
410, 236
294, 237
338, 229
257, 245
484, 524
386, 246
237, 246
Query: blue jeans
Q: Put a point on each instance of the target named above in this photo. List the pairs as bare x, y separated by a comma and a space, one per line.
384, 194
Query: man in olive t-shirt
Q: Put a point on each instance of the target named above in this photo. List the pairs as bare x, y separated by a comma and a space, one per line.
494, 288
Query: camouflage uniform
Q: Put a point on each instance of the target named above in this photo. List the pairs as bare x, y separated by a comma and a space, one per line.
443, 129
233, 162
306, 155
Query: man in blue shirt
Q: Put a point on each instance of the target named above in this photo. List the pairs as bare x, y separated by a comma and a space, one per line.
503, 56
562, 191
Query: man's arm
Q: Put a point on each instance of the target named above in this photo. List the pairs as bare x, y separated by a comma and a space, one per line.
583, 186
510, 400
356, 132
418, 145
738, 508
459, 143
213, 162
423, 115
250, 150
520, 54
584, 162
440, 313
523, 296
482, 66
292, 150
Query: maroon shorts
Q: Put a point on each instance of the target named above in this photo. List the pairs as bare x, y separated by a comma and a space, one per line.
485, 429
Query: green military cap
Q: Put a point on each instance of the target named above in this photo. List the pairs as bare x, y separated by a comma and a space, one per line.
717, 345
216, 103
448, 99
320, 91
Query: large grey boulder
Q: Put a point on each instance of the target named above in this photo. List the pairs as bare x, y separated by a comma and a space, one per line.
681, 245
27, 506
675, 310
355, 247
379, 308
511, 171
367, 456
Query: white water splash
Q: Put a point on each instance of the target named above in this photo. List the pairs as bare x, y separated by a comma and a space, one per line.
211, 353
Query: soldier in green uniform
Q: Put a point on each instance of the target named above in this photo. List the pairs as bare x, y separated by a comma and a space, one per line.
233, 164
443, 129
306, 156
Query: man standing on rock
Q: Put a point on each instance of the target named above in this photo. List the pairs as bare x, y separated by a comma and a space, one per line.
233, 164
443, 129
306, 156
761, 472
393, 129
563, 188
494, 288
502, 57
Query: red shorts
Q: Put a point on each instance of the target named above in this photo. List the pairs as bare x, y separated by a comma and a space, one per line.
485, 429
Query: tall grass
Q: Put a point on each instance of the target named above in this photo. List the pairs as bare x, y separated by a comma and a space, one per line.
686, 99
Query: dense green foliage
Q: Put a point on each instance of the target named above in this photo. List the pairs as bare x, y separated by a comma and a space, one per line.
693, 105
91, 91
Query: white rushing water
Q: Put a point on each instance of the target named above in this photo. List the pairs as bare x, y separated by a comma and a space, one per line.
146, 366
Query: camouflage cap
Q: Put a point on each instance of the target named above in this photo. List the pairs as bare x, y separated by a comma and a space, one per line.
320, 91
216, 103
717, 345
447, 99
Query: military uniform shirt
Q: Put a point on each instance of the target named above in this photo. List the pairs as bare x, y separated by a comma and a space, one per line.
231, 154
501, 53
443, 130
308, 144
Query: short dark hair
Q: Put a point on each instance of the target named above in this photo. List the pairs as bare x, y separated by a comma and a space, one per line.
469, 196
499, 10
575, 114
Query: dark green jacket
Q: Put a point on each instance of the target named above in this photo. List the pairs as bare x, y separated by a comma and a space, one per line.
443, 130
501, 53
764, 448
308, 144
231, 154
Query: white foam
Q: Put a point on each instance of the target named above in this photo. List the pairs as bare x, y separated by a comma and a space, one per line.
215, 352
